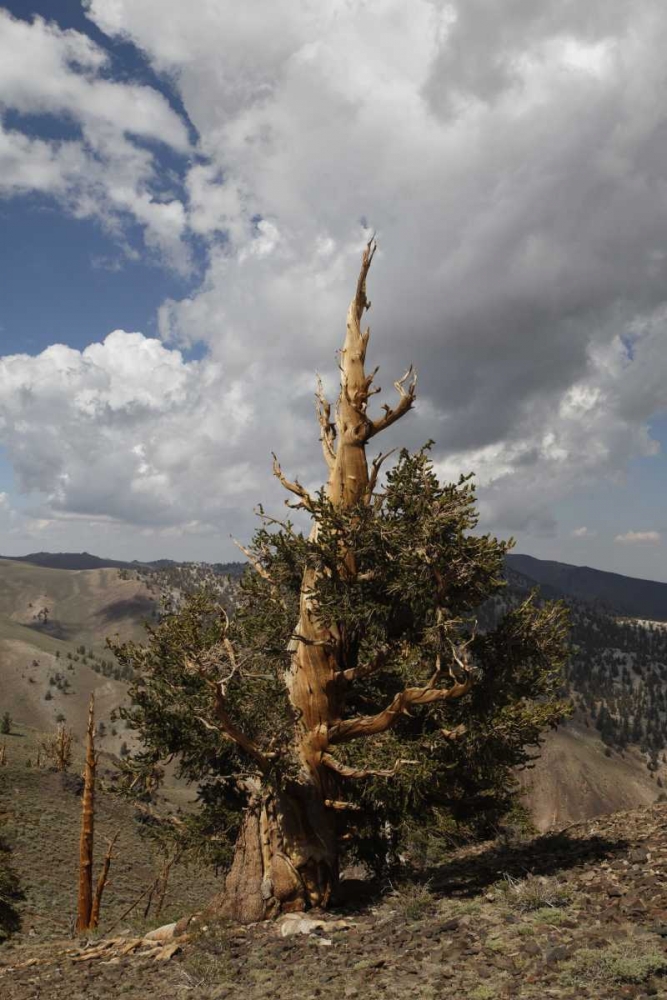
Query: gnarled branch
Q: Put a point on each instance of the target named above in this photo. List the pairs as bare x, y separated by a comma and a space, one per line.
229, 731
345, 771
406, 401
364, 669
339, 805
371, 725
360, 303
256, 565
375, 469
327, 427
293, 487
227, 727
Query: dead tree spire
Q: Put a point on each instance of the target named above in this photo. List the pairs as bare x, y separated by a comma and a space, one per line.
85, 897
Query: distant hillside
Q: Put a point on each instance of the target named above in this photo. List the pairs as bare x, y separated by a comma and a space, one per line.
71, 560
84, 560
54, 621
626, 595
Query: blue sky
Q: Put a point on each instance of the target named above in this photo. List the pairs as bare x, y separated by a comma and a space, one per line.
183, 196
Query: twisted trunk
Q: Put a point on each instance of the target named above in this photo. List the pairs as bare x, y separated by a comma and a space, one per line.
286, 856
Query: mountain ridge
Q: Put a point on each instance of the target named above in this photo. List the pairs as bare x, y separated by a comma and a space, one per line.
632, 596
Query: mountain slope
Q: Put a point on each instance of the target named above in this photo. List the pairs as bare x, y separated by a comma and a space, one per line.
625, 595
609, 757
53, 627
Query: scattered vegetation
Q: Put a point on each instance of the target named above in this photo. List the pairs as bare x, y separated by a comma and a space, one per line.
632, 961
58, 748
412, 900
533, 893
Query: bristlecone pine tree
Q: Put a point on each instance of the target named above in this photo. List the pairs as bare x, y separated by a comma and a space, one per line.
351, 695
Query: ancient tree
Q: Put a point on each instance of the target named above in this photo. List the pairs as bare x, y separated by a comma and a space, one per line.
353, 690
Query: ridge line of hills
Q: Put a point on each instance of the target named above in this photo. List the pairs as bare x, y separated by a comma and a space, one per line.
615, 593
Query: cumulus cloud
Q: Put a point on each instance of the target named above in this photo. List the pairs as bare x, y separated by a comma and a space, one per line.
512, 166
128, 432
104, 173
512, 161
582, 532
638, 537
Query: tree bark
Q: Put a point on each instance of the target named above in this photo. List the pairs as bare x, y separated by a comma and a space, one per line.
285, 858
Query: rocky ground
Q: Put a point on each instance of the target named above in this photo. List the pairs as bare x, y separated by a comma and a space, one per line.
580, 914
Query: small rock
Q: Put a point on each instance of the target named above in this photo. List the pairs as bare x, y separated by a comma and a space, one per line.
557, 954
165, 933
450, 925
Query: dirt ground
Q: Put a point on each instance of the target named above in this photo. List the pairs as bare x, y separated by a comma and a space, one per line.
581, 914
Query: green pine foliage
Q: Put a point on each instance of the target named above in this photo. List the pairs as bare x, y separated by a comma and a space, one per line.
401, 580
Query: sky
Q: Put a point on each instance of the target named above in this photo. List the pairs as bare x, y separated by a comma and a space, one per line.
185, 191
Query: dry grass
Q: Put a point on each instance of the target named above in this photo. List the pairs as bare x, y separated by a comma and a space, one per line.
413, 901
533, 893
632, 961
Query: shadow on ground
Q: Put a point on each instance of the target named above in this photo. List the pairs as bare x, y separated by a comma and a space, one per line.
466, 876
135, 607
54, 629
549, 855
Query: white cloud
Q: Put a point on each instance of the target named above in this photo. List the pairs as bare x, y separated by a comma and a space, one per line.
104, 173
638, 537
128, 432
512, 159
69, 83
582, 532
